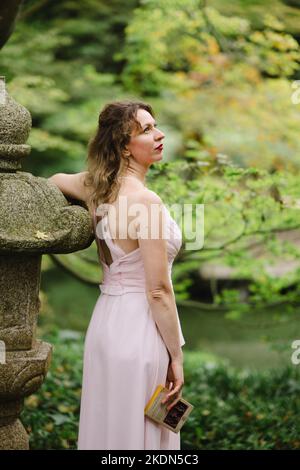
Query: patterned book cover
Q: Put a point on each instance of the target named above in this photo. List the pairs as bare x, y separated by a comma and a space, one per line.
172, 419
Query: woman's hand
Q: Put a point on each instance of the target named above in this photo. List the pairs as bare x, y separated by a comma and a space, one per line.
174, 382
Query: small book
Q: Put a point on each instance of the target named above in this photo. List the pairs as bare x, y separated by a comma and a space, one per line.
172, 419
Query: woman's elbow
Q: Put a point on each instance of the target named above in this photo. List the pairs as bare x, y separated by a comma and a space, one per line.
160, 293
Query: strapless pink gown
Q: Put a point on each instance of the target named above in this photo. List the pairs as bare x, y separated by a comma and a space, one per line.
125, 357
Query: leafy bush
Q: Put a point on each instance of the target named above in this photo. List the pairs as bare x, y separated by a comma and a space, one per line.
239, 409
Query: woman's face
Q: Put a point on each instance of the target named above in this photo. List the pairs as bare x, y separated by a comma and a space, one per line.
144, 142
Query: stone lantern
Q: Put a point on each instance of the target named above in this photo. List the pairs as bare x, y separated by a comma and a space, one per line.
35, 218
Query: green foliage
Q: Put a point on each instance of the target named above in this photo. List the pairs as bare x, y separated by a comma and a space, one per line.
220, 80
243, 209
212, 48
58, 63
223, 77
256, 11
233, 409
241, 410
93, 28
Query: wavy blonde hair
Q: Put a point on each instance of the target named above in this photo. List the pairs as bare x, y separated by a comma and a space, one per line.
106, 158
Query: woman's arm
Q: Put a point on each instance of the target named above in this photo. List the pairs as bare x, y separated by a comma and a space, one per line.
160, 292
71, 185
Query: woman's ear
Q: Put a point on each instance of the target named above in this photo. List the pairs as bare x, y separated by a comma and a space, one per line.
126, 153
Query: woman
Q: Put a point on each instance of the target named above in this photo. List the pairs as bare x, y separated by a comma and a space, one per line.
134, 339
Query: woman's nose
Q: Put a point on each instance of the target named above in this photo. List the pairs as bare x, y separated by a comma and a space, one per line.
161, 134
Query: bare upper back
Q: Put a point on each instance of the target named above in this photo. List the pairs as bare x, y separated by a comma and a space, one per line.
124, 212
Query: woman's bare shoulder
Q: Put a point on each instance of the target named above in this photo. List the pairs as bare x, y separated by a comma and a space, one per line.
148, 203
147, 196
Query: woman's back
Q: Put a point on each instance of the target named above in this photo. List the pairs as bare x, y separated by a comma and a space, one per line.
120, 215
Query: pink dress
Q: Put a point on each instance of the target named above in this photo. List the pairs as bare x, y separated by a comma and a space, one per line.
125, 357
